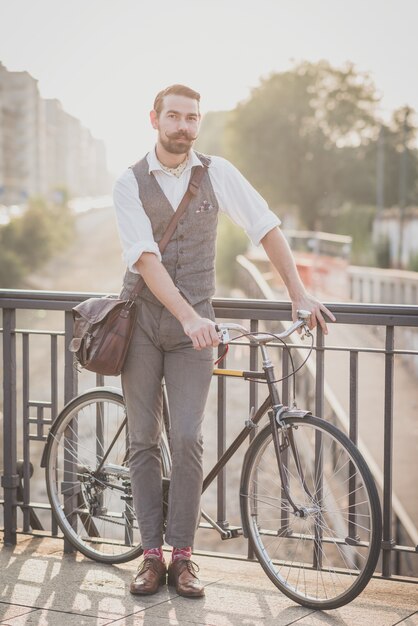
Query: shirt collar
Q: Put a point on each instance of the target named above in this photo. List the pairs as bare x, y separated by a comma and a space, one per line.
154, 164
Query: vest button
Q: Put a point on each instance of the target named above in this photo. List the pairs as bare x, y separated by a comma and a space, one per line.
179, 267
181, 237
181, 251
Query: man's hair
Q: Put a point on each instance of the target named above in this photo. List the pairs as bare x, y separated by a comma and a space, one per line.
177, 90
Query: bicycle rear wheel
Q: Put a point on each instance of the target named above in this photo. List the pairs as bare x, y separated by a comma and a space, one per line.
323, 555
88, 479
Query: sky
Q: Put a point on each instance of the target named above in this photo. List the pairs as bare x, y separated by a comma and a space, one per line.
105, 60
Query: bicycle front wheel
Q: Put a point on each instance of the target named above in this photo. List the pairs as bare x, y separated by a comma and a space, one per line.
88, 480
320, 545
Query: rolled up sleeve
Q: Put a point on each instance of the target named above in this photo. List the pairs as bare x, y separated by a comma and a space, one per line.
134, 226
257, 230
240, 201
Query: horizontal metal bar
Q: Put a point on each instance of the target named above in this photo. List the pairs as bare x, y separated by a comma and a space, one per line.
33, 505
338, 308
409, 549
43, 305
273, 344
40, 403
359, 350
346, 313
49, 333
298, 346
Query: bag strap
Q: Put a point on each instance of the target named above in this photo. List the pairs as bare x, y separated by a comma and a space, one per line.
192, 189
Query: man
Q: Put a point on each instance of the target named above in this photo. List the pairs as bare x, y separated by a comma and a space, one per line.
175, 334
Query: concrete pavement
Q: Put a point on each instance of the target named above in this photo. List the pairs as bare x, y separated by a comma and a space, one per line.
40, 585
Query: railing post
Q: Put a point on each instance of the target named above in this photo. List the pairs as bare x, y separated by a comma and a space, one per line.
26, 430
353, 434
70, 383
253, 398
319, 410
319, 374
10, 478
388, 542
70, 372
253, 366
221, 480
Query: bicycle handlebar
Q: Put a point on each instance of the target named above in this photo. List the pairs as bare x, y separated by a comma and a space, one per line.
302, 321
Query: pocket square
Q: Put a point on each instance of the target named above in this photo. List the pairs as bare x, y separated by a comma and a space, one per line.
204, 207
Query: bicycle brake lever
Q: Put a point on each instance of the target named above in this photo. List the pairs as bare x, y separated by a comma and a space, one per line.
224, 335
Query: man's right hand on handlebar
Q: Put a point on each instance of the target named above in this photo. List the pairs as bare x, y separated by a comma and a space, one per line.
202, 332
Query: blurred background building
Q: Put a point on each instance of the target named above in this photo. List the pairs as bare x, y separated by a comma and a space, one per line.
43, 149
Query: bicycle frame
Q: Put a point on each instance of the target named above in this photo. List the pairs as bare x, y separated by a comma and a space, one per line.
276, 414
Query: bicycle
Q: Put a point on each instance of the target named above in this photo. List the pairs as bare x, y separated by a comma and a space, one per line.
309, 505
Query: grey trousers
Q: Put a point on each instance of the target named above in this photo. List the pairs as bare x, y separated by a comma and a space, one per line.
160, 349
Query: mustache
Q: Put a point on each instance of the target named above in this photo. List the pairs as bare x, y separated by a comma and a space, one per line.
181, 134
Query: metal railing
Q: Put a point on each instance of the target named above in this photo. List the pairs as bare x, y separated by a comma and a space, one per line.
49, 372
373, 284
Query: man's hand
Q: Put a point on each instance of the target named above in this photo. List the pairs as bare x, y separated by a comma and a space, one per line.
202, 332
280, 255
310, 303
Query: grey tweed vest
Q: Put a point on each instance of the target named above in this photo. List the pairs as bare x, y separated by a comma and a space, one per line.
189, 257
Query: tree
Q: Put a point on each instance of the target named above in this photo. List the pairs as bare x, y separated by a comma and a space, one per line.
300, 130
231, 242
401, 159
26, 242
212, 133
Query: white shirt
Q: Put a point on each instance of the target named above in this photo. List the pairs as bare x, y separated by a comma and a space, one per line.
235, 196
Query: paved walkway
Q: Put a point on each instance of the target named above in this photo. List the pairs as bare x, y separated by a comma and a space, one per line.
39, 585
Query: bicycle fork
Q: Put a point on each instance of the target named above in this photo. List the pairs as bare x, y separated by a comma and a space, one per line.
281, 449
278, 427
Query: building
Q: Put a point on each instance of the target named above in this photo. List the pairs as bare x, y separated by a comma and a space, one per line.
42, 147
22, 124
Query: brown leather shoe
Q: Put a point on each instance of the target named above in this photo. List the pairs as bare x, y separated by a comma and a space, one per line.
182, 575
150, 575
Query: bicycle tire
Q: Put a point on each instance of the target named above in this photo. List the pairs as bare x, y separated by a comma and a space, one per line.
91, 504
326, 558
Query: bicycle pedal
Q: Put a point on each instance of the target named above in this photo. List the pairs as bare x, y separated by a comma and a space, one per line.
232, 533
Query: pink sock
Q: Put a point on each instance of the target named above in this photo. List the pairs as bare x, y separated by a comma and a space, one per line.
154, 553
181, 553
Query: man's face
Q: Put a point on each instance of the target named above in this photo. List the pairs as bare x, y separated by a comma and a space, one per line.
177, 124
